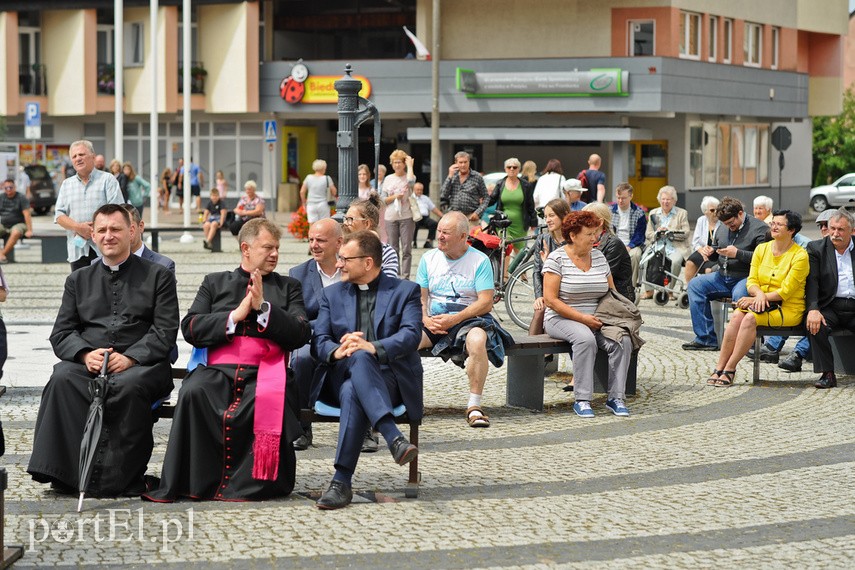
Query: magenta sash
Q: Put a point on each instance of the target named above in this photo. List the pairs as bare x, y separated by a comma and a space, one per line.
269, 396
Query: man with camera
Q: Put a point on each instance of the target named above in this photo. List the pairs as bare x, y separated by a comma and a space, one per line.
735, 240
464, 190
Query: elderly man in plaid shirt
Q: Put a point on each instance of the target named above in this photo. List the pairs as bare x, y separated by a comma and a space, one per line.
464, 190
79, 197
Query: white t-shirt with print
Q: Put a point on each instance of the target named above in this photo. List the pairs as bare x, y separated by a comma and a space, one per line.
453, 284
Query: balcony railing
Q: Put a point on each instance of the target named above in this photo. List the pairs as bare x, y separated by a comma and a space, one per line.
197, 78
106, 79
32, 79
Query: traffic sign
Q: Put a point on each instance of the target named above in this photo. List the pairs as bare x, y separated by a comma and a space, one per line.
781, 138
32, 121
270, 134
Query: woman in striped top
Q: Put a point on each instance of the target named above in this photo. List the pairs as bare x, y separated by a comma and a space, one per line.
575, 278
365, 215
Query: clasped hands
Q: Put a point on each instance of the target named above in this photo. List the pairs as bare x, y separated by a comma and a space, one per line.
253, 299
350, 343
439, 324
94, 360
757, 304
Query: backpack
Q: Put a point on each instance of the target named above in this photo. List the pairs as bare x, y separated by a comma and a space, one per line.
583, 178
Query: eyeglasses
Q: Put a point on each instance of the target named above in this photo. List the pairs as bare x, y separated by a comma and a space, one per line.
777, 225
351, 219
8, 187
346, 259
822, 225
511, 167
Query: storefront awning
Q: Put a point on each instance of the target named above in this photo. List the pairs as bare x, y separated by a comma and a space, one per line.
622, 134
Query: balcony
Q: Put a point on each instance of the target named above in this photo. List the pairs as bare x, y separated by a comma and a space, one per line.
106, 79
197, 78
32, 79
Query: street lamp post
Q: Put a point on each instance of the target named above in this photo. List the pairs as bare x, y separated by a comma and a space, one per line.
349, 119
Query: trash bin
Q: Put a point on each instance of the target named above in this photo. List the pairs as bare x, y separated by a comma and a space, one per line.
720, 309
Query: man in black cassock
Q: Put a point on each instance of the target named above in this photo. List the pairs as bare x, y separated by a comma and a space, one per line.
233, 428
128, 307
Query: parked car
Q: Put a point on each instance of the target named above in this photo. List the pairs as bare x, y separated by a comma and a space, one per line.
838, 194
42, 190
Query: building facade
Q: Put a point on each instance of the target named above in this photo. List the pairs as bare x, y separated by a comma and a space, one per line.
686, 93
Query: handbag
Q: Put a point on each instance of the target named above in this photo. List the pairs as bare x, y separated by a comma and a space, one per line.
414, 208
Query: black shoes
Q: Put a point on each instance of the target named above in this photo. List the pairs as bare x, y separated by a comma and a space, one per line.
337, 496
792, 363
428, 244
768, 355
698, 346
304, 442
370, 443
403, 451
827, 380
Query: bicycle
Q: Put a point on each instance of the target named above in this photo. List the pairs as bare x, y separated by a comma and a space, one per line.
518, 290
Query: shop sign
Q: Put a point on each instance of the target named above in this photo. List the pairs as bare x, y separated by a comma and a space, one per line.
302, 87
609, 82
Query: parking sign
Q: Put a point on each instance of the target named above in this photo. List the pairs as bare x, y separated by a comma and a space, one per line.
33, 121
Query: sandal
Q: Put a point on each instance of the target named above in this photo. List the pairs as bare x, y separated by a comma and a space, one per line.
714, 377
477, 421
726, 379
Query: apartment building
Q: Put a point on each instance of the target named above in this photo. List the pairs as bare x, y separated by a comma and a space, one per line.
686, 93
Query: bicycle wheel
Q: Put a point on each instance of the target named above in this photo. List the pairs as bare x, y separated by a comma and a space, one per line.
519, 295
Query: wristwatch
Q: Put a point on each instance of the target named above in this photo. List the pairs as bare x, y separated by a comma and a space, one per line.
265, 307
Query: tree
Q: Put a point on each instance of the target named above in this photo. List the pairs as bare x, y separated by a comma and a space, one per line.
834, 142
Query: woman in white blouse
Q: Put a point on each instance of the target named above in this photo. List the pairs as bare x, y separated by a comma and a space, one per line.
699, 260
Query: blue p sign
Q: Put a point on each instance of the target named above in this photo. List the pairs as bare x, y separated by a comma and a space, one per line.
33, 115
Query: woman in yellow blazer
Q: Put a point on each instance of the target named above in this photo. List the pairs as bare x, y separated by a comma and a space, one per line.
776, 294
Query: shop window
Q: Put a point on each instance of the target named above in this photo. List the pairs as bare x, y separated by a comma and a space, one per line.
690, 35
727, 41
753, 44
642, 38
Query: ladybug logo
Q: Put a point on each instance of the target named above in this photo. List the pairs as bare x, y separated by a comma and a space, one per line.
291, 88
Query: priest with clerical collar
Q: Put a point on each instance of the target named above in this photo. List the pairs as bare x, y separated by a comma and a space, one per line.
236, 417
367, 335
127, 307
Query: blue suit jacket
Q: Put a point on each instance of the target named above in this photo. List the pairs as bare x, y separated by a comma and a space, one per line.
307, 274
397, 325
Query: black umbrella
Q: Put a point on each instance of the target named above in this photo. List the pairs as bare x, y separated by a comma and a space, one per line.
92, 429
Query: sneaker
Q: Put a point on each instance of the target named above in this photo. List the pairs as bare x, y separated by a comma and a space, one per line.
793, 363
583, 409
617, 407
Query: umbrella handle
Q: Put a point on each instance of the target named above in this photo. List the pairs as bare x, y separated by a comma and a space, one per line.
104, 365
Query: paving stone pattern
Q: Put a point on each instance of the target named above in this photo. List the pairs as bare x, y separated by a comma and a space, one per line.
744, 477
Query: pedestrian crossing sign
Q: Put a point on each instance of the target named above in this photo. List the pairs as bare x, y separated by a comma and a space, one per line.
270, 131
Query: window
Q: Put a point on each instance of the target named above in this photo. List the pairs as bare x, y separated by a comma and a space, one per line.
727, 54
753, 44
105, 44
728, 154
134, 44
776, 43
690, 35
641, 38
713, 39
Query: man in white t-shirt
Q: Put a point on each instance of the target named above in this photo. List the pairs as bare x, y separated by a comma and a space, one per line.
426, 208
629, 223
457, 297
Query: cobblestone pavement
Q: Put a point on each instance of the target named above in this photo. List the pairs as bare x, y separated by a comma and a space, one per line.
748, 477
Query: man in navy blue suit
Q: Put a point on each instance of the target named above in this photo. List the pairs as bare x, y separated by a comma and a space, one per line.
315, 274
367, 335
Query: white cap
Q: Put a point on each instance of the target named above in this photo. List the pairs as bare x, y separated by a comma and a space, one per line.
572, 184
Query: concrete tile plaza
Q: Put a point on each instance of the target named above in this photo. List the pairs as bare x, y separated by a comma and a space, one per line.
748, 477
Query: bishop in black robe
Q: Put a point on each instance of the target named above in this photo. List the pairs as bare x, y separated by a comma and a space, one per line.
133, 308
209, 455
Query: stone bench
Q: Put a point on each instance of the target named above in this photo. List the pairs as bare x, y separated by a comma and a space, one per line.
216, 244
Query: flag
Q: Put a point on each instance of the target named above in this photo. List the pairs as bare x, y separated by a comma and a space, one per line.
421, 51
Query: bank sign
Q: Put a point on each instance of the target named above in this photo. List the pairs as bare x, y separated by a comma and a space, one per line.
607, 82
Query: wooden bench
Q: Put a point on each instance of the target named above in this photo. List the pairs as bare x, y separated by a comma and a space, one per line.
166, 409
526, 369
844, 360
216, 243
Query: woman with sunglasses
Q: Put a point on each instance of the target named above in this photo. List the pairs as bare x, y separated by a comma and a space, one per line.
365, 215
515, 197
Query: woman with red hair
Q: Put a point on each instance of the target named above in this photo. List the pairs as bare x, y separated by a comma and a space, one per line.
575, 278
